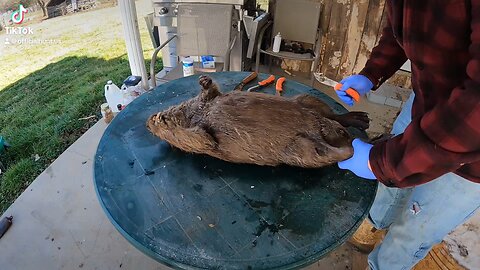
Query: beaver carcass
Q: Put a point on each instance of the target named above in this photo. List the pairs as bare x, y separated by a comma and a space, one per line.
258, 128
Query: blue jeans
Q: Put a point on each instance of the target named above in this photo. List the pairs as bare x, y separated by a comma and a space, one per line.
418, 218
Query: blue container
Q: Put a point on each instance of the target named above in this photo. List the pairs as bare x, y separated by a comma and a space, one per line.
3, 145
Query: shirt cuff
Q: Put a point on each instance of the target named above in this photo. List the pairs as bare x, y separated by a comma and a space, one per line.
369, 74
379, 166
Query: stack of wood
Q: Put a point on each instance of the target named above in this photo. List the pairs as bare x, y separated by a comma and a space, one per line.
70, 8
86, 4
57, 10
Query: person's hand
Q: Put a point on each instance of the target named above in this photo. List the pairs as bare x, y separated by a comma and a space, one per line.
359, 164
358, 82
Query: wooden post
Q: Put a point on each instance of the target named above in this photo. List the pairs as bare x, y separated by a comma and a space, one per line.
132, 40
350, 30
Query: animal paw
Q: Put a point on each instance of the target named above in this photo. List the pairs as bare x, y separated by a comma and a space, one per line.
162, 120
354, 119
154, 119
205, 81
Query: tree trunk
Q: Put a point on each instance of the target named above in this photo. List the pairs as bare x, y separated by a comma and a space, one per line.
41, 3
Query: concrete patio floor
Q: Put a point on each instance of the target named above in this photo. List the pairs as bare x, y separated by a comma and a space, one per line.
58, 222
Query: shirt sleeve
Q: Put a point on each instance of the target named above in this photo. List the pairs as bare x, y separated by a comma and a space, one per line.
443, 139
386, 58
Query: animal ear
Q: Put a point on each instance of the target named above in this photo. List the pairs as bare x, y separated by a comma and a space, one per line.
209, 89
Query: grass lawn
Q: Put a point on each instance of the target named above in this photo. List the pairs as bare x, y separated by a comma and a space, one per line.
46, 90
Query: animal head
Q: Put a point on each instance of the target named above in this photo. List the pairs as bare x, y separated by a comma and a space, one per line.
169, 123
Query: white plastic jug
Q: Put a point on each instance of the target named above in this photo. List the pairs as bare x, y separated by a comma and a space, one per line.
113, 95
277, 42
129, 95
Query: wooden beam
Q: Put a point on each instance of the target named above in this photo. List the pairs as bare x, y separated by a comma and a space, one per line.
353, 38
337, 30
371, 33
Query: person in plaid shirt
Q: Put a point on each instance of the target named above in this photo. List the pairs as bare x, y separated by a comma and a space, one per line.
430, 171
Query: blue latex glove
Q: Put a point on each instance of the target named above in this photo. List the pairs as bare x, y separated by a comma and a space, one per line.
358, 164
358, 82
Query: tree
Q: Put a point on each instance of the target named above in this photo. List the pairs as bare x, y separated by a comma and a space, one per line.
43, 5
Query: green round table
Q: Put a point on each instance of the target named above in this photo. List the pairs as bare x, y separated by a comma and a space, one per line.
194, 211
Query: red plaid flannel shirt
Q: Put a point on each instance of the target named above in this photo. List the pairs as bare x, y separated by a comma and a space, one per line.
442, 40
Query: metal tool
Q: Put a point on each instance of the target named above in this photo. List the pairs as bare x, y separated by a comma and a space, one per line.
279, 86
247, 79
263, 83
5, 224
336, 85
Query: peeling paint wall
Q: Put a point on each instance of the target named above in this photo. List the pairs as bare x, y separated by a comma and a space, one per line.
350, 30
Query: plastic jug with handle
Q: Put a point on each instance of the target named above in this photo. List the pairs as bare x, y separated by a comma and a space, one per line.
114, 96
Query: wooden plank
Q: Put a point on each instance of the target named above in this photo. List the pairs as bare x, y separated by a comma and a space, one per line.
338, 24
376, 15
324, 26
383, 21
353, 37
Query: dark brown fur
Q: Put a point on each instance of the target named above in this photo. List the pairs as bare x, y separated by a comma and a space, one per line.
258, 128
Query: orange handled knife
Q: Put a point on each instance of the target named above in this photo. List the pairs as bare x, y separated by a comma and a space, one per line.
350, 91
263, 83
279, 86
336, 85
